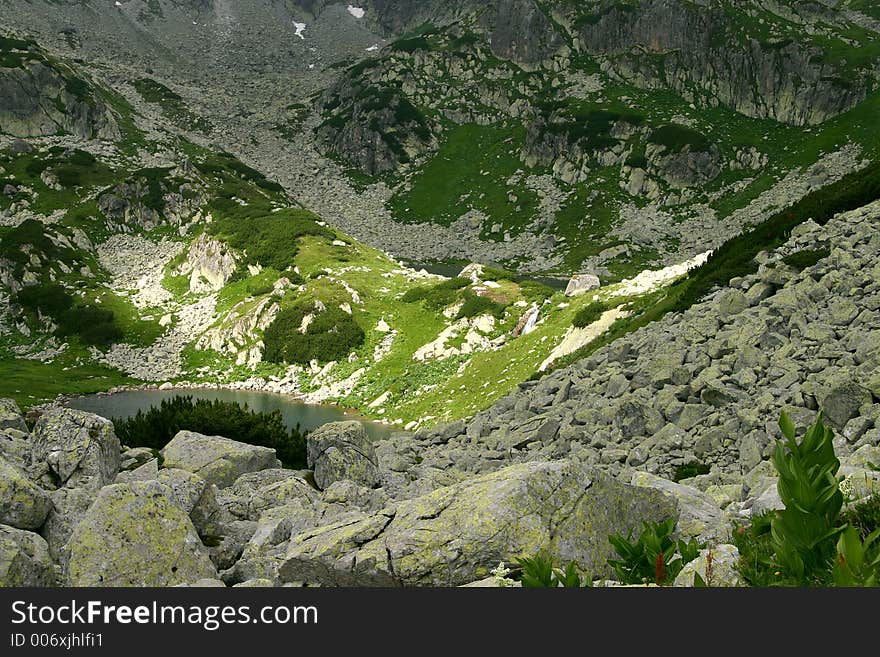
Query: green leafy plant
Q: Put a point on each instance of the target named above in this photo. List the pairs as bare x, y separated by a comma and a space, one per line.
539, 572
589, 314
803, 534
655, 557
857, 562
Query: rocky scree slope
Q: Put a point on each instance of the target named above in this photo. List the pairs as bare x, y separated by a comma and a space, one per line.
449, 71
705, 386
81, 510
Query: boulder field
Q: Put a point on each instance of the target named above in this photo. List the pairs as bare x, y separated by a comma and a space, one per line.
557, 466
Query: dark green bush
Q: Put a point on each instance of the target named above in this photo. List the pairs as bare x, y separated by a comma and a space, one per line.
655, 557
689, 470
269, 240
536, 291
332, 335
475, 305
678, 137
156, 427
437, 297
800, 260
589, 314
93, 326
51, 300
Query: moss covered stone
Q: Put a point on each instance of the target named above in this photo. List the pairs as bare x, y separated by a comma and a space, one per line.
457, 534
217, 460
342, 451
81, 449
23, 504
134, 536
24, 559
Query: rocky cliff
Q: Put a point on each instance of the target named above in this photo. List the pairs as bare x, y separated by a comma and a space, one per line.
722, 53
40, 97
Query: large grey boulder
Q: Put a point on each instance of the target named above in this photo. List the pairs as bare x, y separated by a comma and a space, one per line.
256, 492
457, 534
24, 559
10, 416
699, 515
134, 536
217, 460
841, 401
81, 449
581, 284
195, 497
23, 504
342, 450
69, 505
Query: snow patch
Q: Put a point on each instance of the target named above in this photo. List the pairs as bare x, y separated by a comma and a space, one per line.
300, 28
357, 12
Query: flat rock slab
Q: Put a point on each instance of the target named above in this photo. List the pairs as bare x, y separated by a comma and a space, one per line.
457, 534
217, 460
134, 536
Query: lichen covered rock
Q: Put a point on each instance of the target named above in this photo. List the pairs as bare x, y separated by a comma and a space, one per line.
717, 566
81, 449
134, 536
23, 504
10, 416
217, 460
455, 535
24, 559
342, 450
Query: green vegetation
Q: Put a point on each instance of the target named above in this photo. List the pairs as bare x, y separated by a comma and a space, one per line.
811, 542
589, 314
31, 382
156, 427
539, 572
439, 296
475, 305
803, 534
453, 181
678, 137
655, 557
93, 326
588, 125
172, 104
807, 258
688, 470
269, 240
331, 335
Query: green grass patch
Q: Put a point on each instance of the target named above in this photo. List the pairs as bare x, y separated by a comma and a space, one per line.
439, 296
470, 171
31, 382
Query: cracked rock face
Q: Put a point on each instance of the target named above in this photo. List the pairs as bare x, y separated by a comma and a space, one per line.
217, 460
451, 536
134, 536
342, 450
81, 449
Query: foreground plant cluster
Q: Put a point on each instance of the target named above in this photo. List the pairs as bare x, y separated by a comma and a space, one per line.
812, 542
